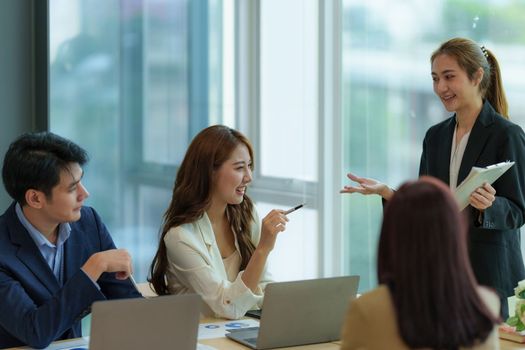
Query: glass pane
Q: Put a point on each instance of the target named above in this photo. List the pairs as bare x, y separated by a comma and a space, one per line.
85, 92
388, 102
165, 55
120, 80
142, 235
289, 89
295, 255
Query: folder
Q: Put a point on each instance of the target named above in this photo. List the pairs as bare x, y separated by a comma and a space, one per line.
476, 178
506, 332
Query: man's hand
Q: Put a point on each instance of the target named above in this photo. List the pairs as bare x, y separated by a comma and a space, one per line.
114, 260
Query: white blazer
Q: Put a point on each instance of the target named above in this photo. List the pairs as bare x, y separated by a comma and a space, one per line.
195, 266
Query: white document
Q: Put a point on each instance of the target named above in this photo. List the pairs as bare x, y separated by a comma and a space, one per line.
219, 329
476, 178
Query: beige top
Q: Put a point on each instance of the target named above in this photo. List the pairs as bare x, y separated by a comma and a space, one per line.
195, 265
371, 322
456, 156
232, 265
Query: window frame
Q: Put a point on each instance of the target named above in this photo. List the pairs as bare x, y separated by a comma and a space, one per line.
321, 195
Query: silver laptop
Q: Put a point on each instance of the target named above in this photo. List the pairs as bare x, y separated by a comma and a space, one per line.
166, 322
300, 312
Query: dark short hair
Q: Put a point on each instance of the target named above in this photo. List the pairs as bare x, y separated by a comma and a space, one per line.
35, 161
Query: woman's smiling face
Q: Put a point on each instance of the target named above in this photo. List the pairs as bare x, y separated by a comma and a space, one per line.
452, 84
232, 177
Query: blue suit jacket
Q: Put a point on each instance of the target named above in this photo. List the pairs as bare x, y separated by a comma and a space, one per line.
34, 309
494, 243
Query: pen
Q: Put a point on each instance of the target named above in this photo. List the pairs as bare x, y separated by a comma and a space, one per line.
291, 210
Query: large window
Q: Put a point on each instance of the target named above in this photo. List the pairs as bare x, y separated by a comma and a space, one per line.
133, 82
287, 130
320, 87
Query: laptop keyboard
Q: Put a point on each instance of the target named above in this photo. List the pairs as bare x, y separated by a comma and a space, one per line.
247, 329
246, 335
244, 330
254, 313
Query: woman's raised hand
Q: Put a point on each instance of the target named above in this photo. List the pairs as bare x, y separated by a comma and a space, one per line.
272, 224
367, 186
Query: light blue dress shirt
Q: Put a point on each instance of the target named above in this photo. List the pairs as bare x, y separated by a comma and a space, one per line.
52, 253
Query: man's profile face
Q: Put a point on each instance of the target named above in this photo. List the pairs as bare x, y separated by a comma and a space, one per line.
67, 197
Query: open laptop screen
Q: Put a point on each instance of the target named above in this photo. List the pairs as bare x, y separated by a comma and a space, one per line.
301, 312
165, 322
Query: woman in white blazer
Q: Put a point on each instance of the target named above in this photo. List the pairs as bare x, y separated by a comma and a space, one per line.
212, 242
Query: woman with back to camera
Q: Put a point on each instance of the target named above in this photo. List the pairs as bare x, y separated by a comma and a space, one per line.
467, 80
428, 296
212, 242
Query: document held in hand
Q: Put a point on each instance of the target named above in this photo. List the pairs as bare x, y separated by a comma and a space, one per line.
476, 178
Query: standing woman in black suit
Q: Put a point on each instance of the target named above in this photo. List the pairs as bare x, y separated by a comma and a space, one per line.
467, 80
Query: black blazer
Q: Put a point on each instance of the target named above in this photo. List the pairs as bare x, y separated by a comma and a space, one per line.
34, 309
494, 243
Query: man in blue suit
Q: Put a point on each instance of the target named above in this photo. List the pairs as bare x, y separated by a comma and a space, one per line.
56, 255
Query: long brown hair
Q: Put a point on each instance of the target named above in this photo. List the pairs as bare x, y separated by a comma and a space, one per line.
192, 196
470, 57
423, 258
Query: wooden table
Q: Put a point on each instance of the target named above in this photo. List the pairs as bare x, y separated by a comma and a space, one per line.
228, 344
509, 345
221, 343
224, 343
